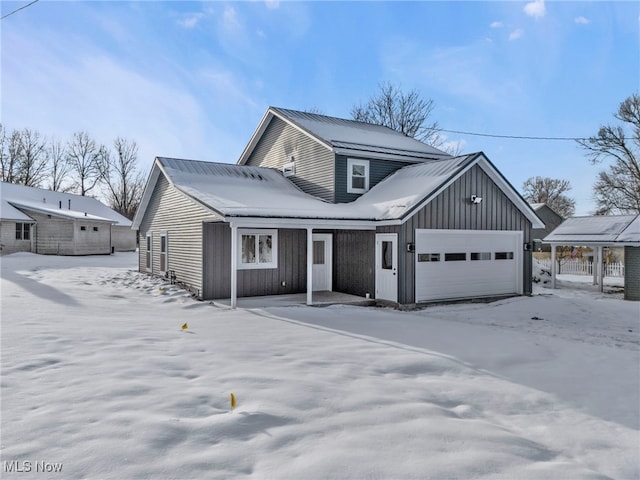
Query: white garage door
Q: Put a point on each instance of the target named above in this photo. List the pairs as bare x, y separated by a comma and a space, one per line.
467, 263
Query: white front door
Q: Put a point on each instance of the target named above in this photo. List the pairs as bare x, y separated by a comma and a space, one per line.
322, 261
387, 266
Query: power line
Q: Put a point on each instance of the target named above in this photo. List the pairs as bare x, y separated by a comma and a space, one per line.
516, 137
18, 9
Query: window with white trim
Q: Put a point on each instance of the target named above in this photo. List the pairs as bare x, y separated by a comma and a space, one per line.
23, 231
164, 265
148, 253
357, 175
257, 249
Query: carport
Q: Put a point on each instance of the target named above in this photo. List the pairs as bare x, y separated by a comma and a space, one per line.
598, 232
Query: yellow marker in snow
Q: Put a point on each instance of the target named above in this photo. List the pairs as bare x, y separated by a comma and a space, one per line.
233, 401
185, 326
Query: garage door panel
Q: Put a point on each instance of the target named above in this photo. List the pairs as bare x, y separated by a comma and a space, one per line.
440, 274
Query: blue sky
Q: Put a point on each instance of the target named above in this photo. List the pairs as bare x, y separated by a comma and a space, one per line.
193, 79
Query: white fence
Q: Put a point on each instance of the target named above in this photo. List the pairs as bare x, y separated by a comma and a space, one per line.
578, 266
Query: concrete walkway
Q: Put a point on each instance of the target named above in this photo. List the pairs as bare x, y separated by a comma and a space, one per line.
320, 299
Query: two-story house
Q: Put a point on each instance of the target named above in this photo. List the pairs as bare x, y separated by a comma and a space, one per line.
322, 203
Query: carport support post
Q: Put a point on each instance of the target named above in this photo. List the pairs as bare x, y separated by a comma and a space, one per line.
553, 265
600, 268
594, 265
309, 266
234, 265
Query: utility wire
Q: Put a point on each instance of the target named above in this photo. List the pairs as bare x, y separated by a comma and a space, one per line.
517, 137
18, 9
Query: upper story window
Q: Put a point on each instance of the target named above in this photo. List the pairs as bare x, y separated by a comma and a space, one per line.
357, 175
258, 249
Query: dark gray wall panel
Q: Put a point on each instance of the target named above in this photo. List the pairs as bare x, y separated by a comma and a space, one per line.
354, 262
453, 210
378, 171
292, 265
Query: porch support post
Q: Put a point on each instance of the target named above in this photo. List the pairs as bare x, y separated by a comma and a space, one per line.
600, 268
234, 265
594, 265
553, 265
309, 266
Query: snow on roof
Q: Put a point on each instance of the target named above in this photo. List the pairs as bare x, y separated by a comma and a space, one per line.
240, 190
597, 229
536, 206
351, 134
409, 186
632, 232
60, 204
235, 190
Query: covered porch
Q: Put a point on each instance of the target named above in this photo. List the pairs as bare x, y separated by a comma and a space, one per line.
249, 261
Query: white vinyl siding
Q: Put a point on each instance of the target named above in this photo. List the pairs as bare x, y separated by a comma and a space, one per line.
169, 210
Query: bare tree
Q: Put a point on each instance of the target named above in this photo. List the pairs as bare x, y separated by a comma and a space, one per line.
4, 156
404, 112
550, 191
58, 166
617, 189
84, 157
32, 161
121, 178
11, 153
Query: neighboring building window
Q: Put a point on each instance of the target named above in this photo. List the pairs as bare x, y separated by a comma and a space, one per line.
149, 252
83, 228
357, 176
163, 253
23, 231
258, 248
95, 229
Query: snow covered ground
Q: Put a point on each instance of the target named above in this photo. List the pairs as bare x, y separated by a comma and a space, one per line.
98, 379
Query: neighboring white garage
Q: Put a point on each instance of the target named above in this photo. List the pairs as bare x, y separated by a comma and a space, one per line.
467, 263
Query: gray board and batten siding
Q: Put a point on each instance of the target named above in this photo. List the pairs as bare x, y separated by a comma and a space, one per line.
353, 264
631, 273
289, 277
314, 162
181, 218
451, 209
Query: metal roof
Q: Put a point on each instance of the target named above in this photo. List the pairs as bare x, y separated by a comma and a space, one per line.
354, 134
601, 229
347, 137
244, 191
